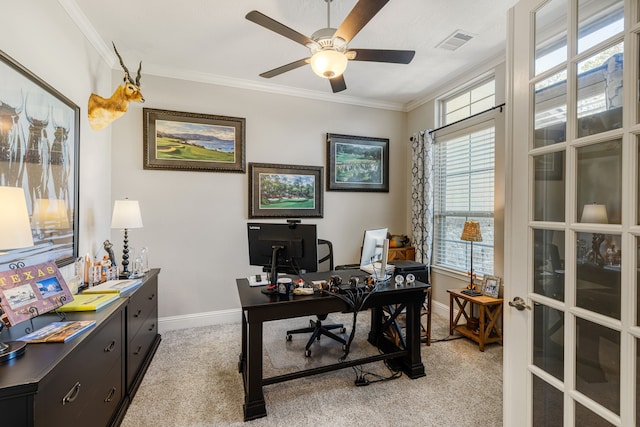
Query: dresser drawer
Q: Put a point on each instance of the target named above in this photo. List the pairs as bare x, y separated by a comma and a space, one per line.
139, 346
142, 304
66, 394
105, 396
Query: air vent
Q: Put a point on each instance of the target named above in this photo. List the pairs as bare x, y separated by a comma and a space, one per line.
455, 40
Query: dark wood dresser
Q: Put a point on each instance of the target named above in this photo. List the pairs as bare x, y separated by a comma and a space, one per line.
91, 379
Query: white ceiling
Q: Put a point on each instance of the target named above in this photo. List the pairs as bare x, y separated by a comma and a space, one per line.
210, 40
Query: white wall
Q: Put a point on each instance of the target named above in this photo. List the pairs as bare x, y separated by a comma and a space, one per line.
195, 222
41, 36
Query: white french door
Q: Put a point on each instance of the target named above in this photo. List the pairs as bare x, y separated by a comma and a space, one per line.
572, 233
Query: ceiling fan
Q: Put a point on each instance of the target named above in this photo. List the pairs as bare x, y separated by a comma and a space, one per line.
329, 46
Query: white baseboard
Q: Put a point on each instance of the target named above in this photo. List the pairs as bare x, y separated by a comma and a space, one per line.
233, 316
199, 319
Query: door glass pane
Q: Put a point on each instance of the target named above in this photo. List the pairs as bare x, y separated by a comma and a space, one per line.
548, 340
587, 418
551, 110
638, 281
600, 92
637, 382
550, 35
598, 273
600, 182
598, 364
548, 263
549, 187
598, 20
547, 404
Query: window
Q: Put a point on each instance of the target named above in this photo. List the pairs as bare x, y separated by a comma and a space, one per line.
464, 185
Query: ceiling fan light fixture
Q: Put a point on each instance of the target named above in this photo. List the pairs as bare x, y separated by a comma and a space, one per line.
328, 63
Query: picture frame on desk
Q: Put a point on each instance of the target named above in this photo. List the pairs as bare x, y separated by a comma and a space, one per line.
176, 140
31, 291
357, 163
285, 191
491, 286
40, 134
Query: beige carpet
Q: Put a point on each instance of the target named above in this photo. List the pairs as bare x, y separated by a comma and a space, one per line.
193, 381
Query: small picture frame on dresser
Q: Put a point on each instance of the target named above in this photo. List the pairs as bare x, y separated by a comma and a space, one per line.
491, 286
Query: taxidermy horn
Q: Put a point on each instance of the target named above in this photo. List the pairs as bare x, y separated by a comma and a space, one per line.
103, 111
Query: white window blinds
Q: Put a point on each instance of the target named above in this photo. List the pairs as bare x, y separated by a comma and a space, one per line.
464, 190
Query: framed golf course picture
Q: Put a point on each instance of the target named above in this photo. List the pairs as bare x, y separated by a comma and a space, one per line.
175, 140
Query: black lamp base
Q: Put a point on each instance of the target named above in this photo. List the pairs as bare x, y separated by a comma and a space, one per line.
13, 350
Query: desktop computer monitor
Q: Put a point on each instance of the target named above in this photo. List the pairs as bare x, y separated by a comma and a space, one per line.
283, 248
374, 251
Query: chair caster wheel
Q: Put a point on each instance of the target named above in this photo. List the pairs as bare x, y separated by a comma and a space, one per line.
343, 330
307, 353
344, 347
289, 337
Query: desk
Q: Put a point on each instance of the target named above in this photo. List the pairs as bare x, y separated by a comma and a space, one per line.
490, 312
258, 308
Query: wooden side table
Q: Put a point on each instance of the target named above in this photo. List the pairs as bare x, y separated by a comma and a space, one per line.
404, 253
489, 312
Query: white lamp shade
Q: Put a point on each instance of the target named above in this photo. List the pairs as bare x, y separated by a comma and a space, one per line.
329, 63
595, 213
126, 214
15, 229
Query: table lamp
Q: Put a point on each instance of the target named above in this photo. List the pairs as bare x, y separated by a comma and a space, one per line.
471, 233
596, 214
126, 215
15, 233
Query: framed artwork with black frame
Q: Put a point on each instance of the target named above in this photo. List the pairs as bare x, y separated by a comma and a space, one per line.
357, 163
285, 191
39, 152
175, 140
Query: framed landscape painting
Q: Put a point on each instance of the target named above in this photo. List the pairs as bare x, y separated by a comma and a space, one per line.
285, 191
39, 143
357, 163
175, 140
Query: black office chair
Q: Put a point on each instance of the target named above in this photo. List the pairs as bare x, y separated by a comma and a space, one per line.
317, 329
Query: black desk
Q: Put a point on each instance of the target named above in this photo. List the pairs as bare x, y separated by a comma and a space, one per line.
258, 308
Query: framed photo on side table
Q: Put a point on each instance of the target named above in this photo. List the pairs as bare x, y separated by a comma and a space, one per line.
285, 191
491, 286
175, 140
357, 163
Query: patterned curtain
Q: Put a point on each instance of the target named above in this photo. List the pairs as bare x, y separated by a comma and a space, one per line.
422, 195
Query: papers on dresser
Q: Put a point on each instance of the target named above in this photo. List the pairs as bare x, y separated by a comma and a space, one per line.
113, 286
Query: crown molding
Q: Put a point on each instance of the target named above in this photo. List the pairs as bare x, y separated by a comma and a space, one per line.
85, 26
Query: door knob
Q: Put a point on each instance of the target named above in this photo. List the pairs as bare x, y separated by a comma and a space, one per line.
519, 304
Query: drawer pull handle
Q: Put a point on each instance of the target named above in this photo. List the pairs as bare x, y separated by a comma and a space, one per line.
110, 396
110, 347
72, 395
152, 327
152, 296
138, 313
137, 352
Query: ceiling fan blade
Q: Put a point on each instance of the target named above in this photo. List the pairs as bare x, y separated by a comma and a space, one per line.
338, 84
382, 55
275, 26
283, 69
361, 13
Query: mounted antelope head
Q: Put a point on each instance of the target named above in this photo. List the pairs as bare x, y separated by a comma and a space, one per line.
103, 111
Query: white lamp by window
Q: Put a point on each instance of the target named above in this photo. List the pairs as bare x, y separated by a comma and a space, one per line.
126, 215
15, 233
